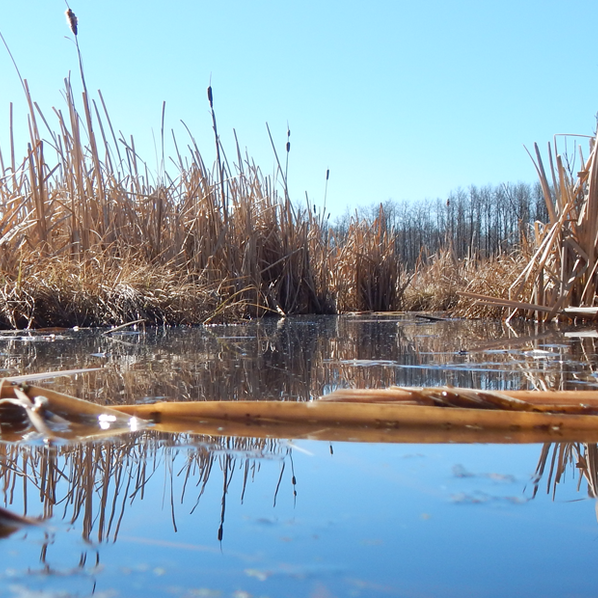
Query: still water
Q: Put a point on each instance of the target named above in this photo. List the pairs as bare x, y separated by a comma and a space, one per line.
156, 514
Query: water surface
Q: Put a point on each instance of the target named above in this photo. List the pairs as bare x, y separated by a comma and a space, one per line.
155, 514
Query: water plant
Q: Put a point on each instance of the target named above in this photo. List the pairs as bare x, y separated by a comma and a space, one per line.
559, 276
89, 236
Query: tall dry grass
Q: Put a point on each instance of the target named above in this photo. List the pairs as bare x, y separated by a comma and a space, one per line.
560, 275
368, 274
562, 271
87, 237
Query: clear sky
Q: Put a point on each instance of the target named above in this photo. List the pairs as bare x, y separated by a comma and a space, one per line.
400, 100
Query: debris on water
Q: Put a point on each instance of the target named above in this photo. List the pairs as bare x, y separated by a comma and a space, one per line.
55, 415
460, 472
478, 498
258, 574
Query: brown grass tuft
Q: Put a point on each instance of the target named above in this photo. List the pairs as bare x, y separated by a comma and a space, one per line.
367, 273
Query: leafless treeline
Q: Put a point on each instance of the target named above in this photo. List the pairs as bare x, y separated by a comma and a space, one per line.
478, 221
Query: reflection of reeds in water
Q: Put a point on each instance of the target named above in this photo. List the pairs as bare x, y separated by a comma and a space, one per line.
93, 483
535, 357
556, 459
303, 358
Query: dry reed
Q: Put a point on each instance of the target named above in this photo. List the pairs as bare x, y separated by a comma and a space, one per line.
91, 241
367, 274
559, 278
88, 237
88, 241
435, 282
580, 458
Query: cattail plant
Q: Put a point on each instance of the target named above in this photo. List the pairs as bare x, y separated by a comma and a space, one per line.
89, 236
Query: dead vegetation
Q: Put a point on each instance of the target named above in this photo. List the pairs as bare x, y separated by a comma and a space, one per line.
558, 276
89, 236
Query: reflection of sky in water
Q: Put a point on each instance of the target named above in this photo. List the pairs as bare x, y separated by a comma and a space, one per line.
368, 520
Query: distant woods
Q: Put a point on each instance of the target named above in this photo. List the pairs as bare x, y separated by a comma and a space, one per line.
478, 222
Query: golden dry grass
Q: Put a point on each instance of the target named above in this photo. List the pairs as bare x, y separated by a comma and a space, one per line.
435, 282
560, 272
442, 282
88, 238
367, 273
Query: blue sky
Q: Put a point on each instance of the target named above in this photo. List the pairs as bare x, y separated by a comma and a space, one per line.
400, 100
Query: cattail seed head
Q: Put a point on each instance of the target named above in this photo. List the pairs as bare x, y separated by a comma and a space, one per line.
210, 98
72, 20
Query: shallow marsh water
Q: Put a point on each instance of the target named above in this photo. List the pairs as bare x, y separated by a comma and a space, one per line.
153, 514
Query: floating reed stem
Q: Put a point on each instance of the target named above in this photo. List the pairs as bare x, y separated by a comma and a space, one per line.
343, 414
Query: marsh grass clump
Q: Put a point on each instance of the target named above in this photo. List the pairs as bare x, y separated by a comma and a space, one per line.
435, 282
494, 277
559, 277
87, 237
104, 291
368, 273
88, 240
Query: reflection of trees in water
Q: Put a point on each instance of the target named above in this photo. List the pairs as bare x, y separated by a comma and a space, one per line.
477, 354
92, 484
520, 356
304, 357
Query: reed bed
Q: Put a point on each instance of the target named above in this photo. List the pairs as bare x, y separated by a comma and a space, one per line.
434, 284
560, 275
368, 274
87, 237
90, 236
490, 277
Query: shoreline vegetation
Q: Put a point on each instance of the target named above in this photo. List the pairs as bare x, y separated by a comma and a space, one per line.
90, 237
